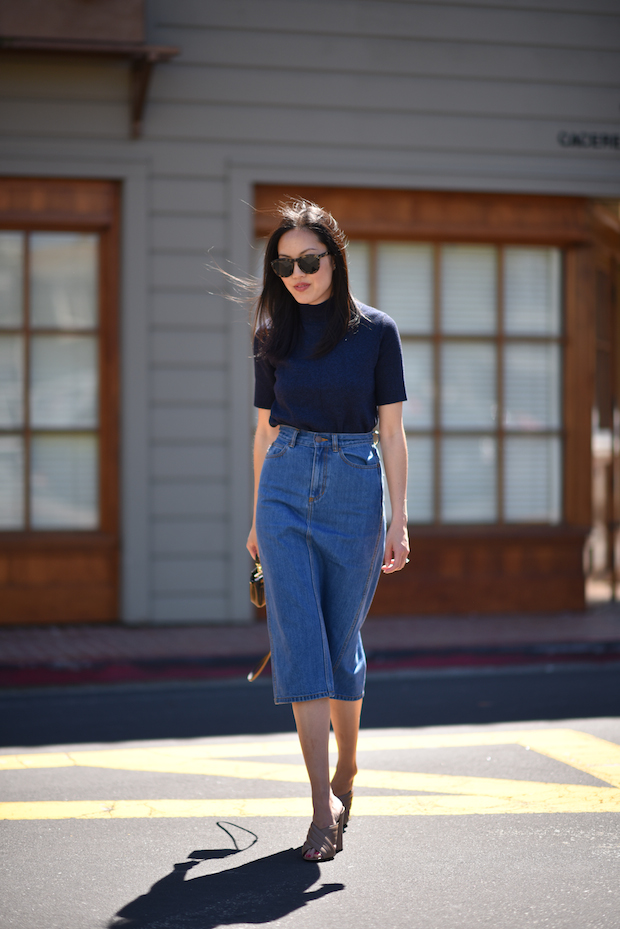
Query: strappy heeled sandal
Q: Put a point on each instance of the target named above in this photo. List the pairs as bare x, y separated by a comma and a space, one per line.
347, 802
327, 842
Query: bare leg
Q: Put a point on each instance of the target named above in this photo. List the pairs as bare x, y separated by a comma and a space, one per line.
345, 717
312, 721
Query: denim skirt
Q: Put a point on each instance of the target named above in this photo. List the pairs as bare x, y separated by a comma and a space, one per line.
321, 535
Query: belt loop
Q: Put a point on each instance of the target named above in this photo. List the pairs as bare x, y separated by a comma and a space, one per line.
334, 442
294, 438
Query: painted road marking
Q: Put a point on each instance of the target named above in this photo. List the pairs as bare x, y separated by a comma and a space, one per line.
445, 795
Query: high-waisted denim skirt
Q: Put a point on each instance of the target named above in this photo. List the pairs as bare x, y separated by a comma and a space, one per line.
321, 536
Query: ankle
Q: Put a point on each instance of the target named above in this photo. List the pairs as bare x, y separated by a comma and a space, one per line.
342, 782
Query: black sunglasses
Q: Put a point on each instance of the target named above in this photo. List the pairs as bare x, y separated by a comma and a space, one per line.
309, 264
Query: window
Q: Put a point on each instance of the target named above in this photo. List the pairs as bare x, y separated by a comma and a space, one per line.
49, 380
481, 327
59, 391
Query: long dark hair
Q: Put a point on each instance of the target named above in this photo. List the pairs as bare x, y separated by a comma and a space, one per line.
277, 319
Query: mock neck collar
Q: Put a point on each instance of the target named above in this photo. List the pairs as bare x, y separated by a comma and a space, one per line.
316, 312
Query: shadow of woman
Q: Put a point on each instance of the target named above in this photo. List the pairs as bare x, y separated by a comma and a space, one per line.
260, 891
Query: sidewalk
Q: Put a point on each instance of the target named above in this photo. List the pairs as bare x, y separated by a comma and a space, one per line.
60, 655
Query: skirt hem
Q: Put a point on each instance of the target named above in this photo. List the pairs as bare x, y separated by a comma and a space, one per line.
320, 696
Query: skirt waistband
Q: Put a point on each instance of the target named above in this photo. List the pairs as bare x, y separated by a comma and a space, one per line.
337, 440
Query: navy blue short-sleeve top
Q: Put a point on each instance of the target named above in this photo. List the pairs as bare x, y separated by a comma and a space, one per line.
340, 391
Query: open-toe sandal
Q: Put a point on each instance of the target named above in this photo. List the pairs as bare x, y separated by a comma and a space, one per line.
327, 842
347, 802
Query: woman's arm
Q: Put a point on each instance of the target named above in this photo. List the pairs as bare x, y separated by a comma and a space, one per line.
394, 453
264, 436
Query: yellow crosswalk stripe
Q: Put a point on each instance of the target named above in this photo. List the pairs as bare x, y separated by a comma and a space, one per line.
440, 794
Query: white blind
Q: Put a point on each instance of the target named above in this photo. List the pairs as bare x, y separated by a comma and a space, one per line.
418, 362
468, 480
11, 279
358, 261
468, 289
11, 381
64, 482
532, 386
532, 291
63, 381
11, 482
405, 285
420, 479
532, 479
63, 280
468, 386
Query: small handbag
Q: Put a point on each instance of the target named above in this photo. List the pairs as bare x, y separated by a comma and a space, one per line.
257, 586
257, 596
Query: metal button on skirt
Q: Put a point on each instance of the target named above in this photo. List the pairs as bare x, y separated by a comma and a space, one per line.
321, 536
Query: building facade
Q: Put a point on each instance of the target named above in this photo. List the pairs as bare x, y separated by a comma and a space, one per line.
471, 151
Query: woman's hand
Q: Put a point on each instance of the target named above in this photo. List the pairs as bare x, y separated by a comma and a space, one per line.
396, 549
394, 452
252, 545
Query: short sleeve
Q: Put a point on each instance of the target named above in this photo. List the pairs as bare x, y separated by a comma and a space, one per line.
389, 372
264, 381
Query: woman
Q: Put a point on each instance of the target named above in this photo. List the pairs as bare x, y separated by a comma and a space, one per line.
327, 370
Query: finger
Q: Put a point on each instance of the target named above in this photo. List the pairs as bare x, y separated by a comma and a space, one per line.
253, 550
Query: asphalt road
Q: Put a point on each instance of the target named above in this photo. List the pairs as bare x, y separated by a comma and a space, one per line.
112, 713
506, 825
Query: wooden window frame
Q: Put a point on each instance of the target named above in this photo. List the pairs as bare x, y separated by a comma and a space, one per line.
444, 217
32, 559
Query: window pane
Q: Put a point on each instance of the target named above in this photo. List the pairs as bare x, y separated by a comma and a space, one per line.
258, 259
11, 381
532, 291
532, 472
11, 279
63, 280
468, 480
405, 285
11, 482
418, 360
64, 482
468, 289
358, 261
468, 386
63, 378
532, 387
420, 479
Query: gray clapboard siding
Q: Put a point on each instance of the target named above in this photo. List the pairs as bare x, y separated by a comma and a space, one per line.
182, 270
188, 348
189, 460
188, 385
190, 609
182, 158
346, 128
182, 310
70, 119
405, 94
189, 575
398, 55
199, 424
457, 22
563, 6
190, 498
187, 233
188, 536
187, 194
